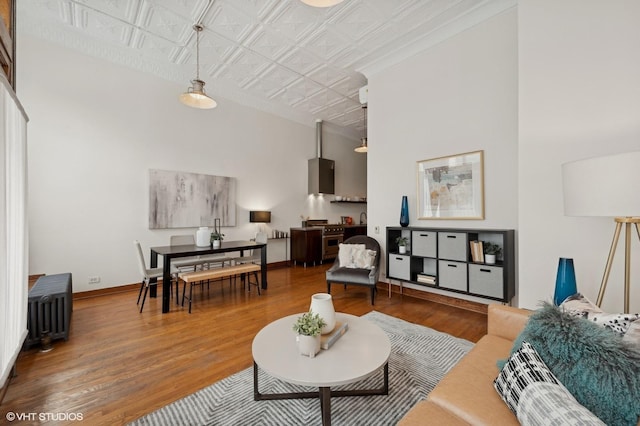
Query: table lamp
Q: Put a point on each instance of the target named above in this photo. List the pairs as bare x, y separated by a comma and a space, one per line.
259, 216
606, 186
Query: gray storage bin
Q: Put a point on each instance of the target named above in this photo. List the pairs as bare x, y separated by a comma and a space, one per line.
400, 267
452, 246
486, 280
424, 243
452, 275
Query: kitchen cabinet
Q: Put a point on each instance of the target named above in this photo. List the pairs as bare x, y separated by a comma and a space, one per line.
306, 245
441, 258
353, 230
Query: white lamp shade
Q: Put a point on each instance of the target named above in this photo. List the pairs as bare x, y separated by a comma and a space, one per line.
196, 97
602, 186
363, 147
197, 100
322, 3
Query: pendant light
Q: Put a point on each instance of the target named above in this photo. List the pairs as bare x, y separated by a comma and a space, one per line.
195, 95
322, 3
363, 148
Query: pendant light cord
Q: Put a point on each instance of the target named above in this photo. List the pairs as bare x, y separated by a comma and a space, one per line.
198, 28
364, 113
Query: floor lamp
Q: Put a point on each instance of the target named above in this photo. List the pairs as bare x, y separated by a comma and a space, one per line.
606, 186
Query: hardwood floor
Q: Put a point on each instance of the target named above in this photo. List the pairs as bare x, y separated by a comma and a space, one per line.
119, 364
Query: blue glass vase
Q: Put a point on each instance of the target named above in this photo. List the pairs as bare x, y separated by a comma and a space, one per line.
404, 212
565, 281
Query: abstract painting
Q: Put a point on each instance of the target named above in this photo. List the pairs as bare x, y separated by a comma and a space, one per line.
451, 187
187, 200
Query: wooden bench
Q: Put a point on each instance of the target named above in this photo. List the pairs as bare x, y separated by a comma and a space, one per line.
217, 273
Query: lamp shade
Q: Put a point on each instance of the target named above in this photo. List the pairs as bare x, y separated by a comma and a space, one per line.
196, 97
259, 216
602, 186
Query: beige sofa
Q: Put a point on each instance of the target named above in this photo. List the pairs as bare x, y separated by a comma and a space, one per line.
466, 394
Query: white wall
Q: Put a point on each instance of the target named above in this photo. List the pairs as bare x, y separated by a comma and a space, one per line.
457, 97
579, 98
97, 128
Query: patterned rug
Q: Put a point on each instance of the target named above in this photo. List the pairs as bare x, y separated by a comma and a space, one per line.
420, 357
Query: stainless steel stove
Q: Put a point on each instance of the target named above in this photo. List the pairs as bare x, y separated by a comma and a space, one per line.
332, 237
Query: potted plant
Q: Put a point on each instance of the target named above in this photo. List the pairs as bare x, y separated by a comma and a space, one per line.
491, 251
308, 327
402, 244
216, 238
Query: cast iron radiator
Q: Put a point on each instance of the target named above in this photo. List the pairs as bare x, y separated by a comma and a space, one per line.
49, 309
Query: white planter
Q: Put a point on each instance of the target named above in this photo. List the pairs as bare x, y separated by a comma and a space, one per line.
490, 259
308, 345
402, 249
216, 244
322, 304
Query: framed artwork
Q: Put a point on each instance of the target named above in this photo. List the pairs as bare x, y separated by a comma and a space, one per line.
187, 200
451, 187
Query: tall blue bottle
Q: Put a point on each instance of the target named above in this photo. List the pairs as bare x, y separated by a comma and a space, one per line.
404, 212
565, 281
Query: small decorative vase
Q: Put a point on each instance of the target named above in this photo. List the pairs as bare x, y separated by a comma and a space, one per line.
202, 236
322, 304
565, 281
490, 259
216, 244
404, 212
308, 345
402, 249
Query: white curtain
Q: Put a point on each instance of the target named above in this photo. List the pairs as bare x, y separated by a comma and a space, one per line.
13, 229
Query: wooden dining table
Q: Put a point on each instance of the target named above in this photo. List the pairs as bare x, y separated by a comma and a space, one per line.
173, 252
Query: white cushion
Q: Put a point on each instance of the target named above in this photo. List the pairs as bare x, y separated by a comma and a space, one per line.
363, 259
347, 254
535, 394
626, 325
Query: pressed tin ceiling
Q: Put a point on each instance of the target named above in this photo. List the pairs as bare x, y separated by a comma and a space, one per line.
280, 56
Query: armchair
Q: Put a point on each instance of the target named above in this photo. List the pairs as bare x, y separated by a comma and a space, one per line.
349, 275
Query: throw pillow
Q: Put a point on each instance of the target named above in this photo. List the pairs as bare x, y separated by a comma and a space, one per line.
363, 259
346, 254
626, 325
535, 395
599, 369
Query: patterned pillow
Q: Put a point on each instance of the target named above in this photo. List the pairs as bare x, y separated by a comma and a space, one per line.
599, 369
626, 325
363, 259
535, 395
346, 253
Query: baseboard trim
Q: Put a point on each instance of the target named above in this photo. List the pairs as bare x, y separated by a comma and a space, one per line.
436, 298
382, 287
109, 290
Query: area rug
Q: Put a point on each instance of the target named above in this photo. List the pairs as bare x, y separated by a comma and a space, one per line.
420, 357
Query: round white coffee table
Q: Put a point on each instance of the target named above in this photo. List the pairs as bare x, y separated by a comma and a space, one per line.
362, 351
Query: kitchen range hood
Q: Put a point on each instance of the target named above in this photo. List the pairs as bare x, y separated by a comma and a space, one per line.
321, 170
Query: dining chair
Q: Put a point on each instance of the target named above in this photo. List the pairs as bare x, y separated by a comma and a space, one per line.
193, 263
148, 274
185, 263
207, 260
256, 255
